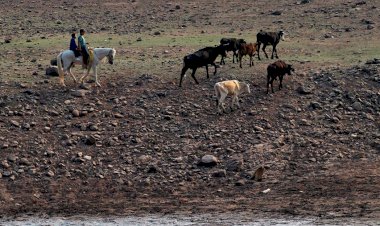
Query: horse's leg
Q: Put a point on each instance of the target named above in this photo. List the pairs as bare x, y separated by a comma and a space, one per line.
96, 76
84, 76
71, 73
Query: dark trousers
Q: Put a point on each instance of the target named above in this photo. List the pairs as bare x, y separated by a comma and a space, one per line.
85, 56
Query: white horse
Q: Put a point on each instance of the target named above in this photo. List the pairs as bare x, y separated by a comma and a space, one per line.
66, 59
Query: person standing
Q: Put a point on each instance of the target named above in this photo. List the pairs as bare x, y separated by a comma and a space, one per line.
83, 47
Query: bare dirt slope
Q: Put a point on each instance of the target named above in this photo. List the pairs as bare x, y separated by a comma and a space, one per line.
134, 145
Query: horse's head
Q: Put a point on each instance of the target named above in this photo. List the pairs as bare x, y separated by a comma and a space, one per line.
111, 56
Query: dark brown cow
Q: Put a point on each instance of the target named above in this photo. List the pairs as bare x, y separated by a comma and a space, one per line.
277, 69
268, 38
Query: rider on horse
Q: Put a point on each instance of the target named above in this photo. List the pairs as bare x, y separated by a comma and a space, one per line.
83, 47
73, 45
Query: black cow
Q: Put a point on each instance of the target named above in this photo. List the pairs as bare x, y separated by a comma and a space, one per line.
277, 69
231, 44
200, 58
268, 38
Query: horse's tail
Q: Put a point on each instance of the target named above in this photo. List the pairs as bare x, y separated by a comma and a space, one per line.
60, 69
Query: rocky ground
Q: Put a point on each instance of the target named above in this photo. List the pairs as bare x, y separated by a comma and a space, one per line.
138, 143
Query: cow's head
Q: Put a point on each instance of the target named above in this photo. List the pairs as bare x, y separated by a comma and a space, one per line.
289, 69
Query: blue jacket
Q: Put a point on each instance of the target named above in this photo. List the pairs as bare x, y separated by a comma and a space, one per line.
73, 45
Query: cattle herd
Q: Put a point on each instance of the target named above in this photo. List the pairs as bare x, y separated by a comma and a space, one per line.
239, 48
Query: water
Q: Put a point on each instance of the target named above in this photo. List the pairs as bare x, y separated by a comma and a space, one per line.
204, 220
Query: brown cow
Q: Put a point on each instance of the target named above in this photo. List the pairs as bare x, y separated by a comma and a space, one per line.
247, 49
277, 69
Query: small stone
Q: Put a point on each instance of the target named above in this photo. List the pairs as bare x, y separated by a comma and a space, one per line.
304, 90
7, 173
50, 173
240, 182
90, 140
219, 173
15, 123
258, 176
139, 39
47, 129
208, 160
118, 115
75, 113
12, 158
357, 106
87, 157
277, 13
235, 164
79, 93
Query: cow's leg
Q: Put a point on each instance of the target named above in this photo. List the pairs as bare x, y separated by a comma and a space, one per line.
271, 83
250, 60
214, 67
275, 50
222, 61
268, 82
280, 86
258, 50
193, 75
184, 69
264, 46
240, 57
222, 98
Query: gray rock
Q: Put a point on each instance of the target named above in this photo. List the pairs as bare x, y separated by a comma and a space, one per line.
75, 113
240, 182
357, 106
52, 71
15, 123
219, 173
208, 160
235, 164
304, 90
12, 158
79, 93
90, 140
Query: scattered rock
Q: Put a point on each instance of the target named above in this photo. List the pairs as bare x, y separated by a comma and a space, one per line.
208, 161
50, 173
304, 90
357, 106
52, 71
75, 113
258, 176
79, 93
15, 123
90, 140
139, 39
277, 13
240, 182
219, 173
235, 164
